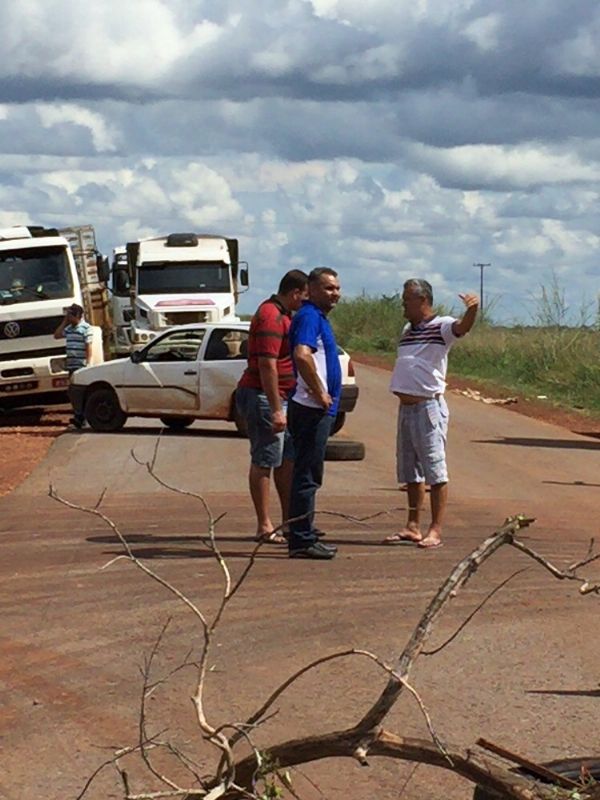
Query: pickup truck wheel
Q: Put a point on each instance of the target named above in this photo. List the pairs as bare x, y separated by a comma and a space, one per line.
344, 450
103, 412
338, 423
177, 423
568, 768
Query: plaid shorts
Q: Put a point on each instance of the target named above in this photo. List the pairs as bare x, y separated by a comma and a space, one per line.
421, 442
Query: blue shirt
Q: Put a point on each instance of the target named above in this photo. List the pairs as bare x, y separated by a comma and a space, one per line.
311, 327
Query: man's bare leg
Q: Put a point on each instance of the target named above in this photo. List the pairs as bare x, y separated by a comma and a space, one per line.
412, 531
283, 483
259, 479
439, 500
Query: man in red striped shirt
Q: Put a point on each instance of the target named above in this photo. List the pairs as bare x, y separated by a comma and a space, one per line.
261, 398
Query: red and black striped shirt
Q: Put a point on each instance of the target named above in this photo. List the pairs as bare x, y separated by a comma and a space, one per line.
269, 338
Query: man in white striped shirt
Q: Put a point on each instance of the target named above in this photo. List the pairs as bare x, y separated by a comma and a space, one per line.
419, 381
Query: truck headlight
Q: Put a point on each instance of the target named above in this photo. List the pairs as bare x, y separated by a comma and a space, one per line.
58, 364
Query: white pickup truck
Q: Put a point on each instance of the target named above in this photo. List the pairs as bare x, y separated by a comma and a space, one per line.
189, 372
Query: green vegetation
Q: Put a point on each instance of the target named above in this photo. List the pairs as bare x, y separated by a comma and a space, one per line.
561, 363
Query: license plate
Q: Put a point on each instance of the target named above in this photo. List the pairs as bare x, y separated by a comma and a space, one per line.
20, 386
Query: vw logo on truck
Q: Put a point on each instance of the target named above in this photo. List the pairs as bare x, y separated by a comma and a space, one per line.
12, 330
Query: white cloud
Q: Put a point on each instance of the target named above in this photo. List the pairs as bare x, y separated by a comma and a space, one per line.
495, 165
483, 31
104, 137
389, 138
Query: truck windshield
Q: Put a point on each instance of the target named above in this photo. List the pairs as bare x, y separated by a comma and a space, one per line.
38, 273
171, 277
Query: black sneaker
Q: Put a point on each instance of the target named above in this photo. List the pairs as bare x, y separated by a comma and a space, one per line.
315, 550
332, 547
318, 533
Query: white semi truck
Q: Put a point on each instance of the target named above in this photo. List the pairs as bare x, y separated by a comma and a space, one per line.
43, 270
172, 280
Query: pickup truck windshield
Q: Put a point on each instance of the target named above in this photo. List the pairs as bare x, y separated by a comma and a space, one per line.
174, 277
34, 274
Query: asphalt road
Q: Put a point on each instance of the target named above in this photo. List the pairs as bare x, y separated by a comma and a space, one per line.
524, 672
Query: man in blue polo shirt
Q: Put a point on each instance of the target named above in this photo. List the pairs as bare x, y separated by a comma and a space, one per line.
312, 408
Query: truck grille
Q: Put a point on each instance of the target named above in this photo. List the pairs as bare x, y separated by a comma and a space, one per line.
186, 317
40, 326
26, 354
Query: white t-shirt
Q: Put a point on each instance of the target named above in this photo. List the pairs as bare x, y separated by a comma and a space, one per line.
422, 359
302, 394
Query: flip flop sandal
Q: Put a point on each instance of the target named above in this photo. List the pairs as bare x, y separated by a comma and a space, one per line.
399, 540
271, 538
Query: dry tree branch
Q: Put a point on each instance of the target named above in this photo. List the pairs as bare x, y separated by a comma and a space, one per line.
453, 583
143, 736
468, 619
52, 493
569, 575
367, 737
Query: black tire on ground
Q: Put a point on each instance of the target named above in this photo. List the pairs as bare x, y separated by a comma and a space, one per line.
177, 423
344, 450
567, 767
103, 412
338, 423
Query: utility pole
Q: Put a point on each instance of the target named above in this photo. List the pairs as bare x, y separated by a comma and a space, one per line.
481, 268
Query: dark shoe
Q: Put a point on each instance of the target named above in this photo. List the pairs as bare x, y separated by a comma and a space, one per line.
315, 550
78, 423
332, 547
318, 533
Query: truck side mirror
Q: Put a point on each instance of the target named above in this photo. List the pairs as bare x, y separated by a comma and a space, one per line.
103, 268
244, 276
121, 282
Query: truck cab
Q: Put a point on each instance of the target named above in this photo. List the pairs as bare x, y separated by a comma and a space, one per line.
181, 279
38, 279
121, 309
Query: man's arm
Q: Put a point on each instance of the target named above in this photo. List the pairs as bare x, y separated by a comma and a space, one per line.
464, 325
59, 333
269, 380
303, 356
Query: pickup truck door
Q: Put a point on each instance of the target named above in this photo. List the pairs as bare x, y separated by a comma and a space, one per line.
165, 381
222, 363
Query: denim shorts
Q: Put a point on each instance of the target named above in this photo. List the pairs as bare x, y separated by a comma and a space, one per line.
267, 449
421, 442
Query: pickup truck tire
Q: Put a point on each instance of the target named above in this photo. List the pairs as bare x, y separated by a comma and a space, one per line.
177, 423
568, 768
344, 450
103, 412
338, 423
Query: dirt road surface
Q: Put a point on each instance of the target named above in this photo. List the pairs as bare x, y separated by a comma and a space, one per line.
74, 633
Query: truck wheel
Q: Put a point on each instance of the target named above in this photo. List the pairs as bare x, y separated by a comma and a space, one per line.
568, 768
344, 450
338, 423
103, 412
177, 423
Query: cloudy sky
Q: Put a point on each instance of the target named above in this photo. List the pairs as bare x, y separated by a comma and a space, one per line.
385, 138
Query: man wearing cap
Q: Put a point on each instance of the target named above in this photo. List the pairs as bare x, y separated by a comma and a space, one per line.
78, 335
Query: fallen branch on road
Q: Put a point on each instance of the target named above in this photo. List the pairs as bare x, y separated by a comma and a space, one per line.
253, 776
